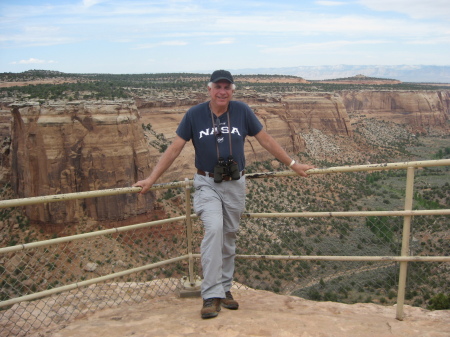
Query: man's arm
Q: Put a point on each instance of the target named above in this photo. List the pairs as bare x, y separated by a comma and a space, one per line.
278, 152
164, 162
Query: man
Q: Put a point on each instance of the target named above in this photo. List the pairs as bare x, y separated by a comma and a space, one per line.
218, 129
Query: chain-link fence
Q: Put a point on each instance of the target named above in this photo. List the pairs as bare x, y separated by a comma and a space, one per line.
124, 267
301, 252
317, 277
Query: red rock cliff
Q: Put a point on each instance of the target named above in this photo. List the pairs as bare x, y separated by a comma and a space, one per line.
285, 117
83, 146
420, 110
73, 147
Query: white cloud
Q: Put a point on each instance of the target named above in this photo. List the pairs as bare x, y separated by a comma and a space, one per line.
418, 9
36, 35
174, 43
164, 43
146, 46
130, 21
317, 28
41, 29
331, 3
33, 61
437, 40
330, 46
90, 3
228, 40
304, 24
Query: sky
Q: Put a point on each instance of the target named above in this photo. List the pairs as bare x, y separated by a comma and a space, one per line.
146, 36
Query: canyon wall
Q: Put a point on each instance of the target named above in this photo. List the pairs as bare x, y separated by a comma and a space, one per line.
73, 147
67, 147
419, 110
285, 117
295, 114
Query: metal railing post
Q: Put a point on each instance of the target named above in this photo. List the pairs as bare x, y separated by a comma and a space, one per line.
405, 242
189, 231
191, 284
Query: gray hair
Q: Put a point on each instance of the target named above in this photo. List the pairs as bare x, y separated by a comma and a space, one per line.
233, 86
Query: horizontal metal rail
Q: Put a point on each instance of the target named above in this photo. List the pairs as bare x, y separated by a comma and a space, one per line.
348, 258
91, 281
342, 258
346, 214
193, 216
90, 235
176, 184
84, 195
355, 168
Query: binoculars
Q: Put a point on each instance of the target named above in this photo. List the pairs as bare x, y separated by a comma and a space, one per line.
227, 168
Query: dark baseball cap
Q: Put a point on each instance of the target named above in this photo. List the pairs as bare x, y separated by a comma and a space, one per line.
221, 75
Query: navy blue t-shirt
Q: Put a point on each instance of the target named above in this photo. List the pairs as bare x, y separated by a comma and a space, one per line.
198, 126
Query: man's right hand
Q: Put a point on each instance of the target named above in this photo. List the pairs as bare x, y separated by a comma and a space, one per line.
146, 184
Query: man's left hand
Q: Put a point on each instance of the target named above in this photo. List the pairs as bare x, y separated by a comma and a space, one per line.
301, 169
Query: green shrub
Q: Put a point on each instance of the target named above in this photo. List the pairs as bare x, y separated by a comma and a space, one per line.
439, 302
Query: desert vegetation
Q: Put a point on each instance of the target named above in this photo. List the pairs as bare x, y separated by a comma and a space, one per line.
44, 85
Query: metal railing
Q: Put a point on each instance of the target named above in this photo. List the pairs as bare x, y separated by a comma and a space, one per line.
156, 259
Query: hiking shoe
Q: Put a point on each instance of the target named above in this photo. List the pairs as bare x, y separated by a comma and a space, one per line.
211, 307
228, 302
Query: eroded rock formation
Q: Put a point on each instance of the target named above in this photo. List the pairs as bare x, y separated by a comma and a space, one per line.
83, 146
420, 110
74, 147
286, 117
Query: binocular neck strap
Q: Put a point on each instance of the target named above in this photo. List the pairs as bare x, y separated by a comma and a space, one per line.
216, 133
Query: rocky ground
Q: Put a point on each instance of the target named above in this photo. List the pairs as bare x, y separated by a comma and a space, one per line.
261, 313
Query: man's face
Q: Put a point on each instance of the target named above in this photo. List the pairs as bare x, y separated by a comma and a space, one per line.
221, 93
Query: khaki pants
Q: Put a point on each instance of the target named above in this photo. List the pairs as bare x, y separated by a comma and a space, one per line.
219, 206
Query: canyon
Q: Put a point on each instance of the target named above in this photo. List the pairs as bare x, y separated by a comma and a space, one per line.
64, 147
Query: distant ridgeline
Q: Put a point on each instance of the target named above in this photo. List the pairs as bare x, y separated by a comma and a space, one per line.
404, 73
360, 78
55, 85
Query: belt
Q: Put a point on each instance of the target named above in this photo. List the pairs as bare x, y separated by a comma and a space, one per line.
211, 175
